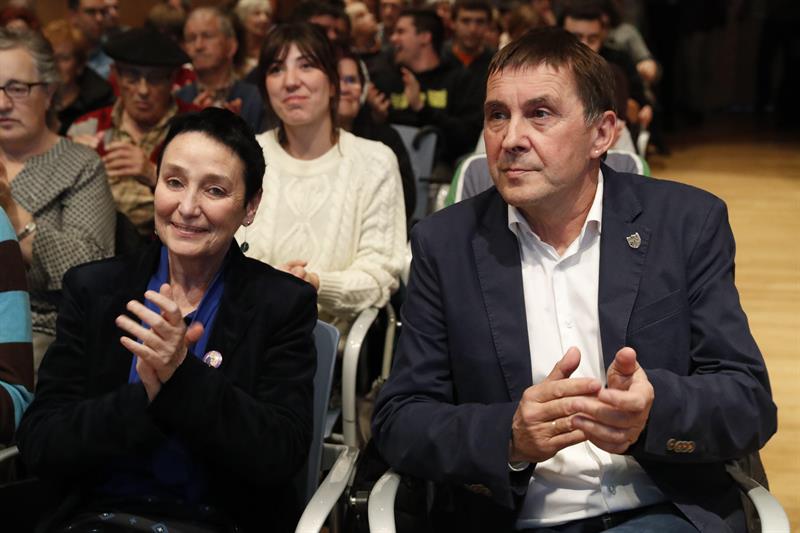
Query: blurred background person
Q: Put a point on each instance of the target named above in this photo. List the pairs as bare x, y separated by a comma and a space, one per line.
89, 16
354, 116
111, 22
364, 34
389, 11
82, 90
255, 17
129, 134
59, 203
198, 427
18, 18
333, 210
16, 353
210, 41
467, 49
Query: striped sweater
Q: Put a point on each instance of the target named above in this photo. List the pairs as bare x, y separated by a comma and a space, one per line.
16, 353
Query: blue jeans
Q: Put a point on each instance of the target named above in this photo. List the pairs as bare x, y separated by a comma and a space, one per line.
653, 519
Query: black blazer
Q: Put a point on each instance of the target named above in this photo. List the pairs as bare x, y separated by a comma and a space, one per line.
463, 359
248, 422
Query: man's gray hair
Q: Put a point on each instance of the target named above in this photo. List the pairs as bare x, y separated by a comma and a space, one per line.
225, 22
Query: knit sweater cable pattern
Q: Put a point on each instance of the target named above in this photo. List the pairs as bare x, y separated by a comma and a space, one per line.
342, 212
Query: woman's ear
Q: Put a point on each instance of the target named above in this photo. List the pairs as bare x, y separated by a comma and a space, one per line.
252, 207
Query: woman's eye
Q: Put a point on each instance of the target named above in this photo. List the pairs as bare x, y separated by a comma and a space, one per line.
216, 191
173, 183
274, 68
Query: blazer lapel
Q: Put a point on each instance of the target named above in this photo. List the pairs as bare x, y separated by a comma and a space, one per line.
233, 316
497, 262
623, 248
132, 285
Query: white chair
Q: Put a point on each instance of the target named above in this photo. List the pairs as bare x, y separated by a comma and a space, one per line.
772, 517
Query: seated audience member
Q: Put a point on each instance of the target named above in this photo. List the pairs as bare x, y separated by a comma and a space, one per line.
586, 20
193, 428
521, 19
16, 353
627, 38
422, 91
574, 356
167, 19
544, 11
82, 89
255, 16
471, 19
327, 16
54, 191
333, 210
210, 41
129, 134
389, 11
18, 18
364, 35
111, 22
355, 117
89, 17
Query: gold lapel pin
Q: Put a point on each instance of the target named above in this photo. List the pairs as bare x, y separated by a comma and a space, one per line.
634, 241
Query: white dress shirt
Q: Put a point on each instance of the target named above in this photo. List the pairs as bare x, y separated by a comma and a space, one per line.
560, 293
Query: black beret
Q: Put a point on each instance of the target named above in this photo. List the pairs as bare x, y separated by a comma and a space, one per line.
145, 47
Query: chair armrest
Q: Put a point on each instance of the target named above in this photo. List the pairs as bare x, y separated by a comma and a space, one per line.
380, 509
329, 491
770, 513
352, 350
8, 453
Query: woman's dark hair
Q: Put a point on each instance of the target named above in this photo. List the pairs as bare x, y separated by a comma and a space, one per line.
313, 44
230, 130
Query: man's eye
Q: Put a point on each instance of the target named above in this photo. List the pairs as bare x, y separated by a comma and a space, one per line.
496, 115
540, 113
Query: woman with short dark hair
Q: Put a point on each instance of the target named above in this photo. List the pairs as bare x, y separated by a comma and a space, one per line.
179, 388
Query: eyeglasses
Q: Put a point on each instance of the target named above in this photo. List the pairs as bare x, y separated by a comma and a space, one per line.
95, 11
131, 76
18, 90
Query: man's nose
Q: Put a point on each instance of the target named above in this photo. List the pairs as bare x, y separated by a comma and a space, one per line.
516, 136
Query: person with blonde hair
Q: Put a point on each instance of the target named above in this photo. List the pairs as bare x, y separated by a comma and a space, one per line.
82, 90
255, 17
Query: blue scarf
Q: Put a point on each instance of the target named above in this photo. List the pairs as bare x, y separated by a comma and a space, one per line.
169, 472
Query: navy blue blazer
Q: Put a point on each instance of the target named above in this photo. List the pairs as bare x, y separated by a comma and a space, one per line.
463, 359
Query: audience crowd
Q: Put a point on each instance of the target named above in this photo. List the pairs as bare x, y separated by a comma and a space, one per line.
157, 163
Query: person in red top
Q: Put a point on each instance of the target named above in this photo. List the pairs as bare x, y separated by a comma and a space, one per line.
129, 134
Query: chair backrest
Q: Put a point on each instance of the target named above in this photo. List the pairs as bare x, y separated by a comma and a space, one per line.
472, 176
420, 144
326, 339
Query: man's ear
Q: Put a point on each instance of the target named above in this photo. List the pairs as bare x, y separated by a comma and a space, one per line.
233, 46
605, 129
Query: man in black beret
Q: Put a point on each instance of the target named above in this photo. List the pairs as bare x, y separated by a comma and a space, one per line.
129, 134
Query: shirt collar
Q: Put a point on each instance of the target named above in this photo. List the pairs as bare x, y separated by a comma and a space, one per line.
517, 223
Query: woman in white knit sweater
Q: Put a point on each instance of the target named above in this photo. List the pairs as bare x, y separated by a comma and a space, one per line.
332, 210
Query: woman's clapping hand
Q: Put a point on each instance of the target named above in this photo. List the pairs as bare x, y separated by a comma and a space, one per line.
164, 346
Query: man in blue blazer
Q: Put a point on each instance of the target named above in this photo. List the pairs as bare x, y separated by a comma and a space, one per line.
574, 354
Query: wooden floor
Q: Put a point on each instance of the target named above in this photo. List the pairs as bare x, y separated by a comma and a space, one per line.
758, 176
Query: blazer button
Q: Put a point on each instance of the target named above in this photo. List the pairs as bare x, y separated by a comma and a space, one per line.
670, 445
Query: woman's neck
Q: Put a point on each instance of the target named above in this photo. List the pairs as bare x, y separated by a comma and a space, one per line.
253, 44
18, 153
190, 280
310, 141
69, 93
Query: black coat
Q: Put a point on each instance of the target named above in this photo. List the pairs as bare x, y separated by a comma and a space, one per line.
248, 423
